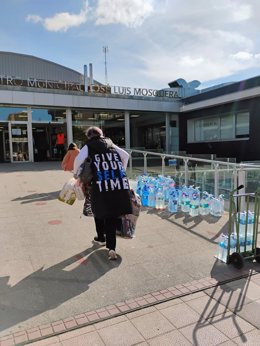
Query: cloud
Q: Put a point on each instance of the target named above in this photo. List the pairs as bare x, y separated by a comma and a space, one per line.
238, 12
61, 21
242, 56
205, 39
200, 41
34, 18
191, 62
131, 13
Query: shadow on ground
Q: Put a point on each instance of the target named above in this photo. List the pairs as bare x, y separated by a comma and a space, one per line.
191, 223
46, 289
231, 296
37, 197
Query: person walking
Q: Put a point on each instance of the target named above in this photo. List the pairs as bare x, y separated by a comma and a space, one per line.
110, 190
67, 163
60, 144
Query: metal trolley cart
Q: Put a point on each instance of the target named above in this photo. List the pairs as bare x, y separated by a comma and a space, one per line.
243, 227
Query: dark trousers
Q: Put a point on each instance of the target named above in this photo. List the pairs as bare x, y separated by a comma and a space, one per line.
107, 227
60, 151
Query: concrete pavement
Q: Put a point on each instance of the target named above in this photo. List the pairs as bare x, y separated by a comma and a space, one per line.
166, 288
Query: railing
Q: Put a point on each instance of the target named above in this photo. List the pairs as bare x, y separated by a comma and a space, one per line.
216, 177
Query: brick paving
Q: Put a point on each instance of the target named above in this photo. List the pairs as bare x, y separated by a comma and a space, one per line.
163, 300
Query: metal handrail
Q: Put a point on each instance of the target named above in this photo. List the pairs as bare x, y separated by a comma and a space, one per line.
237, 168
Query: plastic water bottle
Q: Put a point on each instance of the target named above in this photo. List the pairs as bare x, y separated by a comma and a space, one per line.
166, 191
249, 241
185, 200
233, 243
204, 204
225, 249
194, 205
179, 192
250, 230
173, 201
220, 247
241, 220
159, 201
145, 194
217, 206
250, 222
139, 185
152, 196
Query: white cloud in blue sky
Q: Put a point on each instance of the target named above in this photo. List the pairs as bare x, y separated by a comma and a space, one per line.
61, 21
150, 42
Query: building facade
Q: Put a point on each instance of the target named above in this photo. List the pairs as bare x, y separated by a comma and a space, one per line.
223, 121
40, 99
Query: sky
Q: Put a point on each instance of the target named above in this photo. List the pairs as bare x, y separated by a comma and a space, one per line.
149, 43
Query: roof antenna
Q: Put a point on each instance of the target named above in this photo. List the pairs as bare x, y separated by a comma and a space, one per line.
105, 51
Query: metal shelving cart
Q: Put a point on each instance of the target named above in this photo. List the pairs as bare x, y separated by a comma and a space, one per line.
243, 227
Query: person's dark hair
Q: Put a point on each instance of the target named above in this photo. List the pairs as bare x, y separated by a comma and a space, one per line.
94, 131
72, 146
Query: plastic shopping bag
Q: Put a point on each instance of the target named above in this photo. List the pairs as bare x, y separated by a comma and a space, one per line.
79, 191
128, 222
68, 194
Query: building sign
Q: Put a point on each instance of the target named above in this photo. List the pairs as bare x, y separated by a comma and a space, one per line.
92, 89
40, 83
128, 91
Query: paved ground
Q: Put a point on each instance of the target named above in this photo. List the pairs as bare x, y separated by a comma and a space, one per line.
163, 290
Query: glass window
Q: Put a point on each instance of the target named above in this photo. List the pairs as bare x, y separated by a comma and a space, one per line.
198, 130
226, 126
190, 130
223, 127
112, 124
210, 129
48, 115
242, 124
150, 138
13, 114
41, 115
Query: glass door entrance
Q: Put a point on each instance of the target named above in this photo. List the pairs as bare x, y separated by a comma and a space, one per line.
18, 135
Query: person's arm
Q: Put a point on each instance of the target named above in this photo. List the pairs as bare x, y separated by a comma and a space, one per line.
123, 155
79, 159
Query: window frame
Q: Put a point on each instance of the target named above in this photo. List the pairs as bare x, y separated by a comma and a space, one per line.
192, 128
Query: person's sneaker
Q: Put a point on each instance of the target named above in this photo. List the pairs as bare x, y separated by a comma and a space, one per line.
112, 255
99, 241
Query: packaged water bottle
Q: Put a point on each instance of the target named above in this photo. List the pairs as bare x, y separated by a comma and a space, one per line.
249, 241
145, 194
179, 192
220, 247
185, 200
173, 201
242, 223
166, 191
159, 201
139, 185
151, 196
242, 242
250, 230
217, 206
250, 222
233, 243
194, 203
225, 249
204, 204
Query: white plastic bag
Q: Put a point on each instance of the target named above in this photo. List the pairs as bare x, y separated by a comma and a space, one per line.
68, 194
79, 191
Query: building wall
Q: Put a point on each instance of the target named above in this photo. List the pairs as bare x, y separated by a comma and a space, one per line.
242, 149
